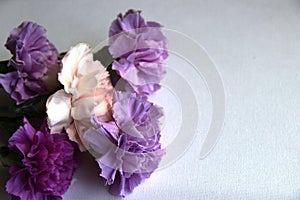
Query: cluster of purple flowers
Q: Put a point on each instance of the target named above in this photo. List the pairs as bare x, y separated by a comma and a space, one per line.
48, 160
126, 147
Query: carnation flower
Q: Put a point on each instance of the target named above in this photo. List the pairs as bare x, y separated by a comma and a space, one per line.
127, 151
87, 92
34, 59
135, 115
140, 49
131, 21
47, 166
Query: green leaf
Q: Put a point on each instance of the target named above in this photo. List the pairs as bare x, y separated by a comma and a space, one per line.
10, 125
4, 68
7, 157
34, 107
61, 55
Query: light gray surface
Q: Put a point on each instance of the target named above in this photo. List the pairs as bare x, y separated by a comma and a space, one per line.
256, 47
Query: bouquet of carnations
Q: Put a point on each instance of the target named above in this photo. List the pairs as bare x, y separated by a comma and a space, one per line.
58, 105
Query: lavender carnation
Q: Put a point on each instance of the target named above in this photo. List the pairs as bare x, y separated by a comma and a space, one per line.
47, 165
34, 59
140, 49
127, 151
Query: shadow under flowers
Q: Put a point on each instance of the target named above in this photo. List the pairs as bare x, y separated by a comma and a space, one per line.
86, 183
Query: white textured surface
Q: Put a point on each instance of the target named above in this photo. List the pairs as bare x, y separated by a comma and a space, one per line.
256, 46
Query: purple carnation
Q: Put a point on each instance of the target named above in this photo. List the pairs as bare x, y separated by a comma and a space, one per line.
132, 20
126, 160
47, 165
34, 59
140, 49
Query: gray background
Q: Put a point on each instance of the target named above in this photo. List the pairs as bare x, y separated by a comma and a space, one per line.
256, 47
